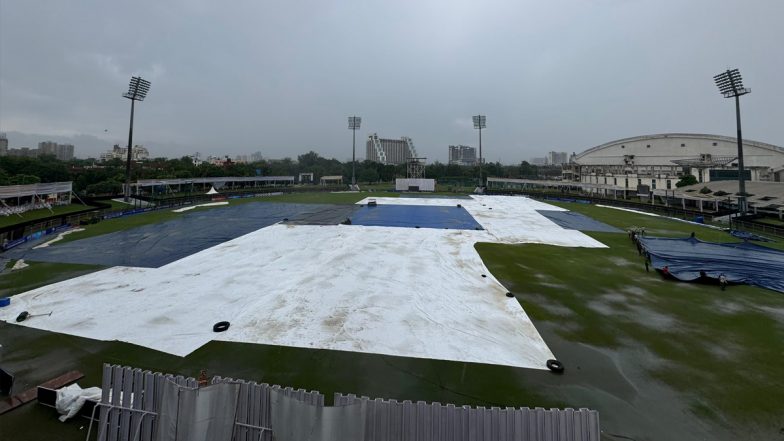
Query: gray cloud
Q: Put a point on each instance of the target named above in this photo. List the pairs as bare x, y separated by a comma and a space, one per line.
281, 77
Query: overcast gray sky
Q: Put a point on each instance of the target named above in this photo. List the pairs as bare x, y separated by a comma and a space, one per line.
281, 77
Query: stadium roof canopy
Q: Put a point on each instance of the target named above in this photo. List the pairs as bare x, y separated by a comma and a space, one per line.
212, 180
698, 136
20, 191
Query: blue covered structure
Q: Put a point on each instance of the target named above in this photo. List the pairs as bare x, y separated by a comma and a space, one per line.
740, 262
152, 246
411, 216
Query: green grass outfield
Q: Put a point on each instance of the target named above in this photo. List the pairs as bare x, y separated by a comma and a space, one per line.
660, 360
40, 214
38, 274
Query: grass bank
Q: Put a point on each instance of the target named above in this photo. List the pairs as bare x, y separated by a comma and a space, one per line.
38, 274
40, 214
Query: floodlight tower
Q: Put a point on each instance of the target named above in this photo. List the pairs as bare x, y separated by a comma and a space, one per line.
137, 91
480, 123
730, 85
353, 125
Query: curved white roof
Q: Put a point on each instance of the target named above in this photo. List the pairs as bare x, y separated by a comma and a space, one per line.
701, 136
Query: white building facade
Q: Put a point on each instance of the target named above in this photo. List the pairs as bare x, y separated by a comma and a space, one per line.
660, 161
138, 153
63, 152
556, 158
390, 151
462, 155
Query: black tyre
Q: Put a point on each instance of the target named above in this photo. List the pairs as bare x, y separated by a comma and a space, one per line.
220, 326
555, 366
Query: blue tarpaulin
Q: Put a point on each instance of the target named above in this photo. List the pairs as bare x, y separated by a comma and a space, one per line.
576, 221
155, 245
740, 262
411, 216
745, 235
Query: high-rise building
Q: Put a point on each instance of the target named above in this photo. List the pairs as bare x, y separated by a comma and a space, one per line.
47, 148
390, 151
63, 152
138, 153
462, 155
24, 152
3, 145
557, 158
538, 161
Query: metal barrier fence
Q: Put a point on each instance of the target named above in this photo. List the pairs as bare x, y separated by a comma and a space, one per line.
131, 403
254, 417
758, 227
128, 397
389, 420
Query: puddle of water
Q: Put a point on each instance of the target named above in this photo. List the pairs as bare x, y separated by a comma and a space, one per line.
728, 307
602, 308
634, 290
620, 261
652, 319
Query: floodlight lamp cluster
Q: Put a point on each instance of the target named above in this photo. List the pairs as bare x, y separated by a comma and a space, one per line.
137, 89
480, 121
730, 83
354, 122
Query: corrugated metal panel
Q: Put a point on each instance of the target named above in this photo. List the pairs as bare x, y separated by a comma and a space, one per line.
133, 398
13, 191
393, 420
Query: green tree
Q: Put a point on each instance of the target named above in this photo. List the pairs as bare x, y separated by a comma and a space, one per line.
686, 180
23, 179
369, 175
108, 187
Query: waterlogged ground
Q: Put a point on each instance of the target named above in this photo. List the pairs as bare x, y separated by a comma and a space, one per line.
643, 350
660, 360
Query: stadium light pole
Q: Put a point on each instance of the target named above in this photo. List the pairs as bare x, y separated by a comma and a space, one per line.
353, 124
730, 85
480, 123
137, 91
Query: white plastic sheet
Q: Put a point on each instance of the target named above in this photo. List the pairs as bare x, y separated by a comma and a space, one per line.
397, 291
70, 399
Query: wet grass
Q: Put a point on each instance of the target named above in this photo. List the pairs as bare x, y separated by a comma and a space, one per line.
119, 224
718, 351
39, 274
40, 214
770, 221
36, 356
659, 359
655, 226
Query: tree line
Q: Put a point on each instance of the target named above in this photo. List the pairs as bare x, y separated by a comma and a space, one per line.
103, 178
